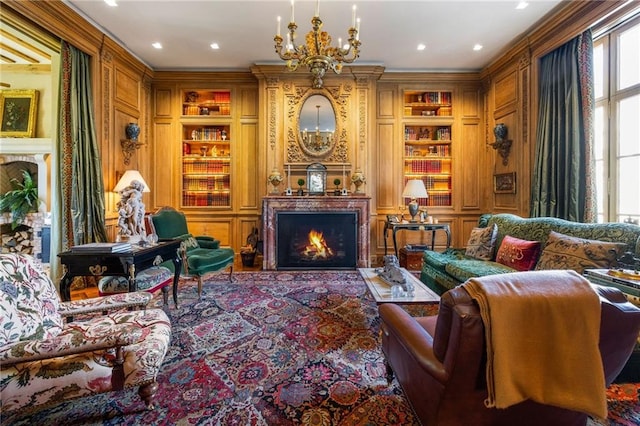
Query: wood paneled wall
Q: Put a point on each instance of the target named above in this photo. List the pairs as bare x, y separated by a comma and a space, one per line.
505, 92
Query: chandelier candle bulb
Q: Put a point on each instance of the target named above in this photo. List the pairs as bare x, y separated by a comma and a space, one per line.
353, 16
292, 15
278, 27
317, 8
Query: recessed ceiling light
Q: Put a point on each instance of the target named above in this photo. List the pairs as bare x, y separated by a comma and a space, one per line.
477, 47
111, 3
214, 46
157, 45
422, 46
522, 5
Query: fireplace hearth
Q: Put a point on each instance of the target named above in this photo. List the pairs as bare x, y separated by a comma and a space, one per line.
316, 240
318, 232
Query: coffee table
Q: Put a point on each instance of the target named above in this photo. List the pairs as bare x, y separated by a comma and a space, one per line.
381, 290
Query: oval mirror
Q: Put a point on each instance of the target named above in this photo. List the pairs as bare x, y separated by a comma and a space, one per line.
317, 125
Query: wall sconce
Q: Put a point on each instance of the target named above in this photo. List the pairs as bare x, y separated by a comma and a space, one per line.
131, 143
502, 144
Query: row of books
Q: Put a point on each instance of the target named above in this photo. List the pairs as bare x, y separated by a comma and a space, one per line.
206, 167
436, 97
103, 248
439, 134
432, 151
427, 166
208, 199
208, 134
435, 200
206, 184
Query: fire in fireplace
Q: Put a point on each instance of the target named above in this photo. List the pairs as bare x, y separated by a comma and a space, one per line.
316, 240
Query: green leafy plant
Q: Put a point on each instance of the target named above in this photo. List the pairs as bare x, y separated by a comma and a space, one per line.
336, 182
20, 201
300, 182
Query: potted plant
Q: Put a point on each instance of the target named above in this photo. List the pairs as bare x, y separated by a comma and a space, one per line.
20, 201
336, 182
300, 184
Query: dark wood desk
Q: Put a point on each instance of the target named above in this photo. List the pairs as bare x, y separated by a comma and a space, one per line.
125, 264
415, 226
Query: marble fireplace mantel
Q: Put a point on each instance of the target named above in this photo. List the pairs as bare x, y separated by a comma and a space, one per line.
272, 205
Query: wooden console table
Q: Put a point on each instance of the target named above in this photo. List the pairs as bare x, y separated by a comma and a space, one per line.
415, 226
125, 264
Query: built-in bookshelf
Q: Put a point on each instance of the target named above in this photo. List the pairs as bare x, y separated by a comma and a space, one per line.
427, 104
206, 102
428, 144
206, 148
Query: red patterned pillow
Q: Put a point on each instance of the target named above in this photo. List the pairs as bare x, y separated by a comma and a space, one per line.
518, 254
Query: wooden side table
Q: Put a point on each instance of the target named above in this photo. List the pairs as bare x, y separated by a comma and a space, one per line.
126, 264
414, 226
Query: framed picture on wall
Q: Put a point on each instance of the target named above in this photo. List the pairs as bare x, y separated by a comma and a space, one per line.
18, 109
504, 183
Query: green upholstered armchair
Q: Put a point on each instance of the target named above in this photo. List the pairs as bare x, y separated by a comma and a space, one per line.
201, 254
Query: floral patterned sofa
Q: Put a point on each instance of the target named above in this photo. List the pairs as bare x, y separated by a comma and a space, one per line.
561, 244
45, 360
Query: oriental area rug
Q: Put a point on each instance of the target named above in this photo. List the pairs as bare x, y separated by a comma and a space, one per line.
273, 348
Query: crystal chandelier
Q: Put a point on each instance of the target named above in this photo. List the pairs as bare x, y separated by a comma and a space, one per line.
317, 53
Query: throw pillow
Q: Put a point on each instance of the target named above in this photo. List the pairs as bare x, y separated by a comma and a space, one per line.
188, 243
566, 252
518, 254
482, 242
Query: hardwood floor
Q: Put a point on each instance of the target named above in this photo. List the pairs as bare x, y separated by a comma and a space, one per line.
89, 292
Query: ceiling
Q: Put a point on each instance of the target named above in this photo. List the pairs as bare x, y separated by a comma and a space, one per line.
390, 30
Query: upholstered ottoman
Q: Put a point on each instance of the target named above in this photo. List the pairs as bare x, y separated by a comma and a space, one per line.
150, 279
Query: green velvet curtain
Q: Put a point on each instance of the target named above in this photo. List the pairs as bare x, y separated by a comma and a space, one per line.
563, 183
81, 185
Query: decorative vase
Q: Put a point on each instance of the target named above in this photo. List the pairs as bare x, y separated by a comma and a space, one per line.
358, 180
275, 179
132, 130
500, 132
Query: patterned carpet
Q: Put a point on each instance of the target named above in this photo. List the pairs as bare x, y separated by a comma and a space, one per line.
273, 348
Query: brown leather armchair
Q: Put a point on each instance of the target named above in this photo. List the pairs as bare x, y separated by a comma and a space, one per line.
440, 361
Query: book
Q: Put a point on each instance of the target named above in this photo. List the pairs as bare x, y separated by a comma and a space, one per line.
103, 248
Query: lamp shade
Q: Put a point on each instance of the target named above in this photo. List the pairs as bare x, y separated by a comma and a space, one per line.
128, 177
415, 189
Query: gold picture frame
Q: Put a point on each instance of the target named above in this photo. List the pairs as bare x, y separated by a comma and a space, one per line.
504, 183
18, 110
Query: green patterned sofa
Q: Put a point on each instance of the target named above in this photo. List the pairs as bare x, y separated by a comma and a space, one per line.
444, 271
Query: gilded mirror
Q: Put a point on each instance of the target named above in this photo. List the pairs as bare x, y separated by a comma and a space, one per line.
317, 125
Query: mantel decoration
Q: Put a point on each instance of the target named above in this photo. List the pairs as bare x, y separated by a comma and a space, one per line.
316, 53
131, 143
502, 144
275, 179
358, 179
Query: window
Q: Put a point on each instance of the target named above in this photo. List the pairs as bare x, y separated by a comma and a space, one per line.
617, 122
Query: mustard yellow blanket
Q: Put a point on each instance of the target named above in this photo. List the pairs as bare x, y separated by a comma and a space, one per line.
542, 330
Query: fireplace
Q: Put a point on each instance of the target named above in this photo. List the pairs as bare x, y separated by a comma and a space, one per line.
342, 222
316, 240
28, 237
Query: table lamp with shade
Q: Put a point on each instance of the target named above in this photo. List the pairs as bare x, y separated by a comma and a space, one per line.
414, 189
130, 207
